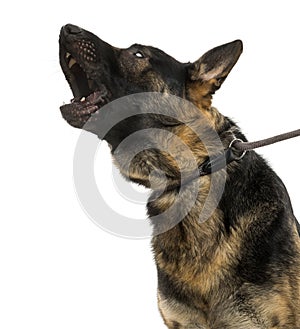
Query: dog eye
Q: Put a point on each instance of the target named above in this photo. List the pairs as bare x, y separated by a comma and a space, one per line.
169, 121
139, 54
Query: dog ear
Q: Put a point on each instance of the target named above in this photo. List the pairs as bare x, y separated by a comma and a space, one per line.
214, 66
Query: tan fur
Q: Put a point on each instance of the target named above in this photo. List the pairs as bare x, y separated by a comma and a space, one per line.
200, 94
202, 271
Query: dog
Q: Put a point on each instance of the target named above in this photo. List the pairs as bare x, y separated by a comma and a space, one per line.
238, 269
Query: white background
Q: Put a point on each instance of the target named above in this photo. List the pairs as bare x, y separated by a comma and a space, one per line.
58, 269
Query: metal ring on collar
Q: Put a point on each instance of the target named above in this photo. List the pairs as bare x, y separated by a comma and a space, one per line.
232, 146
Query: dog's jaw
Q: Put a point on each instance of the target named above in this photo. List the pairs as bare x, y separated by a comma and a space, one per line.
78, 58
79, 111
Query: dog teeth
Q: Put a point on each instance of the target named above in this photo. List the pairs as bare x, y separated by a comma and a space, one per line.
72, 62
82, 99
68, 55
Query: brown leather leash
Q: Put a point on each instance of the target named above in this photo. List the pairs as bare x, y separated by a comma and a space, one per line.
246, 146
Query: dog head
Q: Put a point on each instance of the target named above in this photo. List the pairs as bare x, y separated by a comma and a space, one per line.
99, 73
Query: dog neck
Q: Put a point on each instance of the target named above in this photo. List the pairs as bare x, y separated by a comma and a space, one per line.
208, 167
192, 197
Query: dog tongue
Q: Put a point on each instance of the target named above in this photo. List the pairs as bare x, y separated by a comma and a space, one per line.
97, 96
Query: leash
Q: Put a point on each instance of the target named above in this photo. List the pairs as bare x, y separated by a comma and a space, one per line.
246, 146
216, 163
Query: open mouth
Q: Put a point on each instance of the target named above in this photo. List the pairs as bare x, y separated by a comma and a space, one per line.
78, 60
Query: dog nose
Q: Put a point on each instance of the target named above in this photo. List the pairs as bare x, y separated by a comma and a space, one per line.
71, 29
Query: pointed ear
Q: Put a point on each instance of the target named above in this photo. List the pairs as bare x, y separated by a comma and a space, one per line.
214, 66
